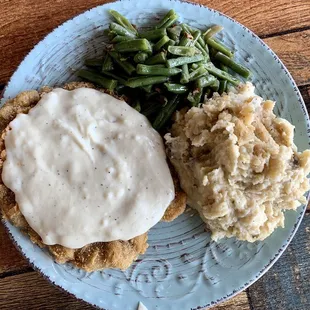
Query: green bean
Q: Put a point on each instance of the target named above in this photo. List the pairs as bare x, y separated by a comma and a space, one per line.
212, 51
140, 57
93, 62
221, 74
157, 66
222, 87
215, 85
186, 40
154, 70
136, 45
201, 49
159, 58
125, 65
109, 34
238, 68
107, 64
219, 46
97, 79
166, 59
147, 80
197, 64
174, 33
119, 38
170, 43
176, 88
205, 81
161, 43
175, 62
208, 92
120, 30
170, 15
194, 66
186, 28
223, 67
223, 83
192, 31
195, 96
151, 109
212, 31
201, 41
166, 112
123, 21
207, 49
170, 22
196, 74
154, 34
196, 36
120, 78
185, 74
182, 50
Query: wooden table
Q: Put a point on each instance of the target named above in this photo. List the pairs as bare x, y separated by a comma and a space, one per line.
285, 27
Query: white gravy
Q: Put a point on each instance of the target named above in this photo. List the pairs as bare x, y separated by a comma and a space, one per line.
86, 167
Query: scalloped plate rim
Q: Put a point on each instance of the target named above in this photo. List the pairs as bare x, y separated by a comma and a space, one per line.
301, 103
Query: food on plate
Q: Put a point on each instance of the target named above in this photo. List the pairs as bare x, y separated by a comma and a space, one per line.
84, 175
238, 164
163, 67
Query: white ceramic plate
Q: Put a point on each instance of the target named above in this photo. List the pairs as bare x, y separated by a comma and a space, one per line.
182, 268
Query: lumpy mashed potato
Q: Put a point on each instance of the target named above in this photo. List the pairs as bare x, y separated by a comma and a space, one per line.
238, 164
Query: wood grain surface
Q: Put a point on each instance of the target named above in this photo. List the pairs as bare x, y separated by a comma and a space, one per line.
10, 258
32, 291
285, 27
286, 286
294, 50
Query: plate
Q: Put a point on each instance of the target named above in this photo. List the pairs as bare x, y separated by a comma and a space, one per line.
182, 268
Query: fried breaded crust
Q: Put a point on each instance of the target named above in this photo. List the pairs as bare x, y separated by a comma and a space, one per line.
178, 205
94, 256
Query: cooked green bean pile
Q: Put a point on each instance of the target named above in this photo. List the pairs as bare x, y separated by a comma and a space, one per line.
164, 68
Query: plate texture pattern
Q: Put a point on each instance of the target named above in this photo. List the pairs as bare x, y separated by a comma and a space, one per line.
183, 268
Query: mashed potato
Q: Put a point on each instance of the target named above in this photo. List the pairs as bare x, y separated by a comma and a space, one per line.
238, 164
